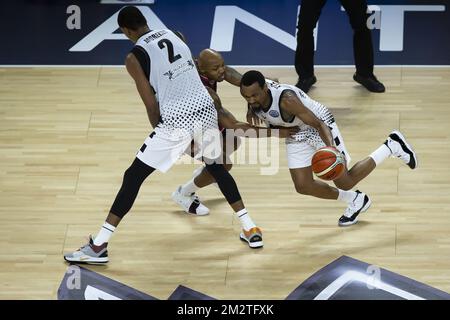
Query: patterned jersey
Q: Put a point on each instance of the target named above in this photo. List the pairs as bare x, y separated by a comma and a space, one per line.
274, 117
183, 100
212, 84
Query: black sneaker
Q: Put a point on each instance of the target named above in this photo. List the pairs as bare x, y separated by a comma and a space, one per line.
400, 148
306, 84
360, 204
370, 83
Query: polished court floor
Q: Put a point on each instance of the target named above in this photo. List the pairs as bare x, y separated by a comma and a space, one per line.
67, 135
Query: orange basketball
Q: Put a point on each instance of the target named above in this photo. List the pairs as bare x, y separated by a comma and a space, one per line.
328, 163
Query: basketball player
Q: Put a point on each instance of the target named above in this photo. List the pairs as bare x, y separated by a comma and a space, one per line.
286, 105
212, 69
161, 65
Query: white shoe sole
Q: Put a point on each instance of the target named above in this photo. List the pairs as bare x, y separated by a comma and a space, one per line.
87, 260
253, 245
398, 133
364, 209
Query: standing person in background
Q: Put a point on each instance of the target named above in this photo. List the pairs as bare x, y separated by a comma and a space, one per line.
362, 44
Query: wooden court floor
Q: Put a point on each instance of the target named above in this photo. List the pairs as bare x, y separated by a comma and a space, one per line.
67, 135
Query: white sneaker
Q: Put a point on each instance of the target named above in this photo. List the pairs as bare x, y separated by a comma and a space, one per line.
396, 142
191, 204
360, 204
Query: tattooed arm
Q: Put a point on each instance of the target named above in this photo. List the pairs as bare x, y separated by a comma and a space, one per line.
232, 76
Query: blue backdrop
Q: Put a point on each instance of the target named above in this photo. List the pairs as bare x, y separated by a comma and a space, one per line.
257, 32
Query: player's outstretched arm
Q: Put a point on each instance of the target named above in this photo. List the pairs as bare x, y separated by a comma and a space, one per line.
228, 121
232, 76
244, 129
144, 88
292, 105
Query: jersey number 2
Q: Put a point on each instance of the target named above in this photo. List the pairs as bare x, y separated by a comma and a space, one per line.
166, 43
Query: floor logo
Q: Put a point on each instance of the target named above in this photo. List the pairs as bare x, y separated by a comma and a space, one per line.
82, 284
343, 279
351, 279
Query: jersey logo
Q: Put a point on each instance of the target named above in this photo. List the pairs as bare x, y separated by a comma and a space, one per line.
169, 74
178, 71
274, 113
274, 84
301, 93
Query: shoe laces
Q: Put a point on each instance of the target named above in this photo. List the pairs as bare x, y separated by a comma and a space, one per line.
88, 243
397, 150
195, 198
351, 207
348, 212
404, 157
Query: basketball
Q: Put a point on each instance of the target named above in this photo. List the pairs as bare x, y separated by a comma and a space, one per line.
328, 163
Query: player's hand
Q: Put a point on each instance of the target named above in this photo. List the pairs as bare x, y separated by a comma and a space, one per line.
288, 132
252, 118
344, 157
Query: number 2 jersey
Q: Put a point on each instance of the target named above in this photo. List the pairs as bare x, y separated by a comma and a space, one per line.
167, 62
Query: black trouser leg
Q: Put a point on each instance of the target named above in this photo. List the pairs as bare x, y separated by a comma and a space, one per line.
304, 54
362, 37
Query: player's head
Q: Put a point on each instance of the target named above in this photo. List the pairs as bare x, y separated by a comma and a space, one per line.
254, 89
211, 64
132, 22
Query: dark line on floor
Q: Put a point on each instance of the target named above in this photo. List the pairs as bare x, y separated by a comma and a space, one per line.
226, 271
65, 237
395, 245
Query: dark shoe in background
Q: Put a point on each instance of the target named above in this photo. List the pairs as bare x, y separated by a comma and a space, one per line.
306, 84
371, 83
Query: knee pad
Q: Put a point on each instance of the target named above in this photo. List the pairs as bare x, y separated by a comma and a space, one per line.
225, 181
133, 178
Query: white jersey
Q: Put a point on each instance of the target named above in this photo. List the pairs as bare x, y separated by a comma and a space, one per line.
183, 99
274, 117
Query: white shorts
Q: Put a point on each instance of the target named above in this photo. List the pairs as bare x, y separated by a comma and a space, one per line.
229, 142
300, 153
160, 151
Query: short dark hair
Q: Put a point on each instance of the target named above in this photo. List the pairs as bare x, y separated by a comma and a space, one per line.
252, 76
180, 35
132, 18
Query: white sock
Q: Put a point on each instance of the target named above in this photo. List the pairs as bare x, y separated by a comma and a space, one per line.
189, 188
104, 234
246, 222
381, 154
347, 196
